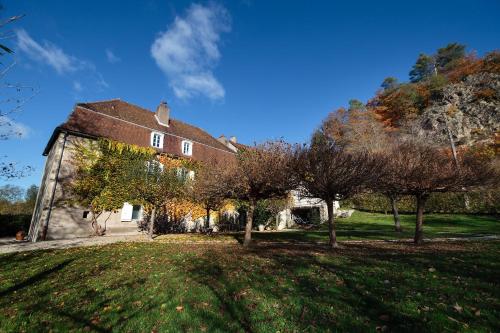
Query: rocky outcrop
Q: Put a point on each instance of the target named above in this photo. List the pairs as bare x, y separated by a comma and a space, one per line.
471, 107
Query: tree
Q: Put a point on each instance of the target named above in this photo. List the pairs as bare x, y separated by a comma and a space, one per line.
101, 178
11, 193
265, 171
359, 130
330, 172
209, 188
424, 67
414, 167
153, 184
30, 198
390, 83
448, 57
17, 96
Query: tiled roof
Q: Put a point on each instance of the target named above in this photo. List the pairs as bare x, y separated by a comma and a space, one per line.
139, 116
125, 122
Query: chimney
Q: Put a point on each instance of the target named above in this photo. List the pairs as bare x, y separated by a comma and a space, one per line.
233, 139
162, 114
222, 139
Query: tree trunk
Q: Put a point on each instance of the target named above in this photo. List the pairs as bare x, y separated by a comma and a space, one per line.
419, 226
207, 224
395, 213
331, 225
248, 226
152, 223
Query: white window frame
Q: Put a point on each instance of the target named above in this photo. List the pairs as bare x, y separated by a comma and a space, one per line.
160, 144
190, 149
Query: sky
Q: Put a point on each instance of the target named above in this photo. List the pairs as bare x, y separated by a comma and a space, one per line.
254, 69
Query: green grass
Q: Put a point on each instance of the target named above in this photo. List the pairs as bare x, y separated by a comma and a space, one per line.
161, 287
362, 225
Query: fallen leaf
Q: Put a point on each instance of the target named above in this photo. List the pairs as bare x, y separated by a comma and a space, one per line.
458, 308
179, 308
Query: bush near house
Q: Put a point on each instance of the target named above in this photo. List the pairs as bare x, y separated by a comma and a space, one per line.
483, 202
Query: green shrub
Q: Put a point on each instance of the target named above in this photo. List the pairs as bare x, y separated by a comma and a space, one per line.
481, 202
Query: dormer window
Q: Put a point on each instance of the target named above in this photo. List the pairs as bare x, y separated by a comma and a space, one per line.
156, 140
187, 147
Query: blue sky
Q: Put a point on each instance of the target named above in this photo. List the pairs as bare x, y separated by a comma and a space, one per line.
254, 69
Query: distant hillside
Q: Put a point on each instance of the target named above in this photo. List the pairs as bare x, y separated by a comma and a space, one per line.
449, 87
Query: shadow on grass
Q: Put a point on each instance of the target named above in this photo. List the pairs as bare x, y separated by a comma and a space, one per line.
35, 278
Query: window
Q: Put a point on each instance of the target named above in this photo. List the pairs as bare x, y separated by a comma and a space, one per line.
154, 166
131, 212
157, 140
187, 148
185, 174
136, 212
85, 214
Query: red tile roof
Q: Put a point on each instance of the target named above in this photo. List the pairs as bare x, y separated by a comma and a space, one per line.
125, 122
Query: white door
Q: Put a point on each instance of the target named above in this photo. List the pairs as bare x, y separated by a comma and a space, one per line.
127, 212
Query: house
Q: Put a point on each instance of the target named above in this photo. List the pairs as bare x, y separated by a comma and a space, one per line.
53, 218
119, 121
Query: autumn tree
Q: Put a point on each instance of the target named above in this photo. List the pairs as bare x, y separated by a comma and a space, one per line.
209, 188
332, 173
100, 181
416, 168
265, 171
358, 130
153, 184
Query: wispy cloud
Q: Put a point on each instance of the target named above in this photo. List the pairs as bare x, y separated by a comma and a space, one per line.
48, 54
53, 56
12, 129
112, 58
189, 50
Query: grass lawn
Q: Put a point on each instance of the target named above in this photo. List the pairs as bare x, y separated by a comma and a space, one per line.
162, 287
362, 225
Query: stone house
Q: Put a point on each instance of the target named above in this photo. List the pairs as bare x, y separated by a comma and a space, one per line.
124, 122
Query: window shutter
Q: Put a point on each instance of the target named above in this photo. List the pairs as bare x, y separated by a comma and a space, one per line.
127, 212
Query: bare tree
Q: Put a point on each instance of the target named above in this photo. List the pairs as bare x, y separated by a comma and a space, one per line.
13, 96
210, 188
359, 130
417, 168
332, 173
262, 172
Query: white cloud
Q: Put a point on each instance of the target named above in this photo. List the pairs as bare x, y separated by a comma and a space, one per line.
51, 55
10, 128
48, 54
112, 58
189, 50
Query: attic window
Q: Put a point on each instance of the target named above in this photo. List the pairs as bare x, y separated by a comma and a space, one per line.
187, 147
156, 140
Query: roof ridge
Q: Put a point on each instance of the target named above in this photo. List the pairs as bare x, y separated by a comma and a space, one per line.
101, 101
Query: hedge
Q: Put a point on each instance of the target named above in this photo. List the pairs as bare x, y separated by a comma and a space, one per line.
483, 202
11, 224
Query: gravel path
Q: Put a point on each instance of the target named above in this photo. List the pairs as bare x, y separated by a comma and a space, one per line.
8, 245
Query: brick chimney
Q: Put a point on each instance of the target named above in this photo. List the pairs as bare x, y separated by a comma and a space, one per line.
162, 114
233, 139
